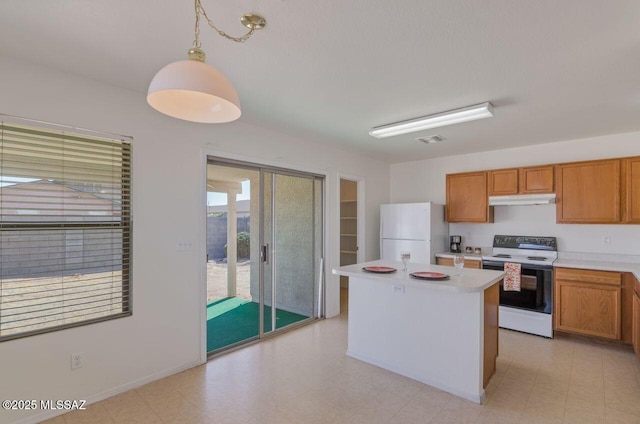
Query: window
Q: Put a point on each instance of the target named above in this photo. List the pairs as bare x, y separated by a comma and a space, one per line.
65, 229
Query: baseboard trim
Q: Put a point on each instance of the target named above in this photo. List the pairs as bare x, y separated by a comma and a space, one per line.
33, 419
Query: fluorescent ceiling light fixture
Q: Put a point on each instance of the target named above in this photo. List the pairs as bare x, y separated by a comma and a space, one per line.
465, 114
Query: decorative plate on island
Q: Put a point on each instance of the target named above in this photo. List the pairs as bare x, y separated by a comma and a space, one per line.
379, 269
429, 276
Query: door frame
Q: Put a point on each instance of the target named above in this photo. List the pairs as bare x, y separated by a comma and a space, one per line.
206, 153
359, 213
361, 218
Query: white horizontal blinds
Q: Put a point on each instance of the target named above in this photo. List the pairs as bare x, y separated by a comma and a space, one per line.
65, 230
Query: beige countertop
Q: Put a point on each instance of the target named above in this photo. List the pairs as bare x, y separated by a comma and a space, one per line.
467, 256
631, 267
472, 280
596, 261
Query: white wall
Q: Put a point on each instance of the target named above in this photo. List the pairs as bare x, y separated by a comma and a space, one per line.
164, 333
425, 180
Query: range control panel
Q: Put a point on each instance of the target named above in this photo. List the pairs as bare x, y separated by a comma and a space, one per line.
526, 242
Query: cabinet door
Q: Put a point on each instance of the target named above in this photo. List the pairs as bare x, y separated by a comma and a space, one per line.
467, 199
589, 309
444, 261
589, 192
503, 182
536, 179
491, 302
632, 168
636, 324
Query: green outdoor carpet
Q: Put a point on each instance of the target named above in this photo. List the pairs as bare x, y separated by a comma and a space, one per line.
231, 320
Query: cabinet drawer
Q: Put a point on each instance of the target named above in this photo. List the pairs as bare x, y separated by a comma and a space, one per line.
468, 263
589, 276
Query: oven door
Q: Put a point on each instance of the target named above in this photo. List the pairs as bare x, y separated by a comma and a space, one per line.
536, 291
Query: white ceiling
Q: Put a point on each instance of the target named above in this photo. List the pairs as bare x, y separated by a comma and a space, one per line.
330, 70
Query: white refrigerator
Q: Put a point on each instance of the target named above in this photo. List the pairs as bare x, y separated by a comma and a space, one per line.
419, 228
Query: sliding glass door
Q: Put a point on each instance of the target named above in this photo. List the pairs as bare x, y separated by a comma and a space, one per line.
278, 225
233, 264
292, 229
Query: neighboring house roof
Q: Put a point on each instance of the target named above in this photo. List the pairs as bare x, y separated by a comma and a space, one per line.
53, 198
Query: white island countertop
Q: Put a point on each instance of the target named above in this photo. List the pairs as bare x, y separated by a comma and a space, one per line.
472, 280
441, 333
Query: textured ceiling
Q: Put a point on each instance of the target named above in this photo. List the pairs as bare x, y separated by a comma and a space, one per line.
330, 70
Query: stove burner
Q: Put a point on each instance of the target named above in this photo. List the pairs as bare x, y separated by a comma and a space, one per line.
501, 255
536, 258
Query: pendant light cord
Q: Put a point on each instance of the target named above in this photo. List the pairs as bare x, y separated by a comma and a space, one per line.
200, 11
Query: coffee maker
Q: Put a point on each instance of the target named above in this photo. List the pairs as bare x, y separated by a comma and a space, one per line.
455, 244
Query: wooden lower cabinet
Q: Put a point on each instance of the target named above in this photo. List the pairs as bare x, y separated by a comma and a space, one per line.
491, 302
635, 320
588, 302
468, 263
636, 324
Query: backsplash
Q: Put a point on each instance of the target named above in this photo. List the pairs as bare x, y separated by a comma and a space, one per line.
541, 221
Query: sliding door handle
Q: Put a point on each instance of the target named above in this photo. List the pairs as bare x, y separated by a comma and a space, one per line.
264, 253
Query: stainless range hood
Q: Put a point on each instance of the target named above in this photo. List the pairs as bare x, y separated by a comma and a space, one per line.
523, 199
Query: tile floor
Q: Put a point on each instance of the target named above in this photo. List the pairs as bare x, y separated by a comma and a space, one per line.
305, 377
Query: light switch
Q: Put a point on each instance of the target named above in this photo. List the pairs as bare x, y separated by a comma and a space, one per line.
184, 246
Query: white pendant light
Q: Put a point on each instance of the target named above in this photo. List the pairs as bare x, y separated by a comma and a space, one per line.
465, 114
194, 91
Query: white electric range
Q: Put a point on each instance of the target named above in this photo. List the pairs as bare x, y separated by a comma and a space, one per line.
529, 310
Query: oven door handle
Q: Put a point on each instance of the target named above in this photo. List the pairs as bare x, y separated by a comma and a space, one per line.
500, 265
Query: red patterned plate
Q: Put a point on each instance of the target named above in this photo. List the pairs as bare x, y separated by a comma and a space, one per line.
379, 269
429, 275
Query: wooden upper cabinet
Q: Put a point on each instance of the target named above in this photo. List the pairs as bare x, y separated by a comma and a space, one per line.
503, 182
467, 199
589, 192
530, 180
537, 179
632, 186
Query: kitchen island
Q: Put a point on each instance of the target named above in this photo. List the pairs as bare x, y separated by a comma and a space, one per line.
441, 333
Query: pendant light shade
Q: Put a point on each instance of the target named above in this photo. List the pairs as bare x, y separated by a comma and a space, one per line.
194, 91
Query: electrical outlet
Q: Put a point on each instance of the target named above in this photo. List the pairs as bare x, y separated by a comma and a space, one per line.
76, 360
398, 288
